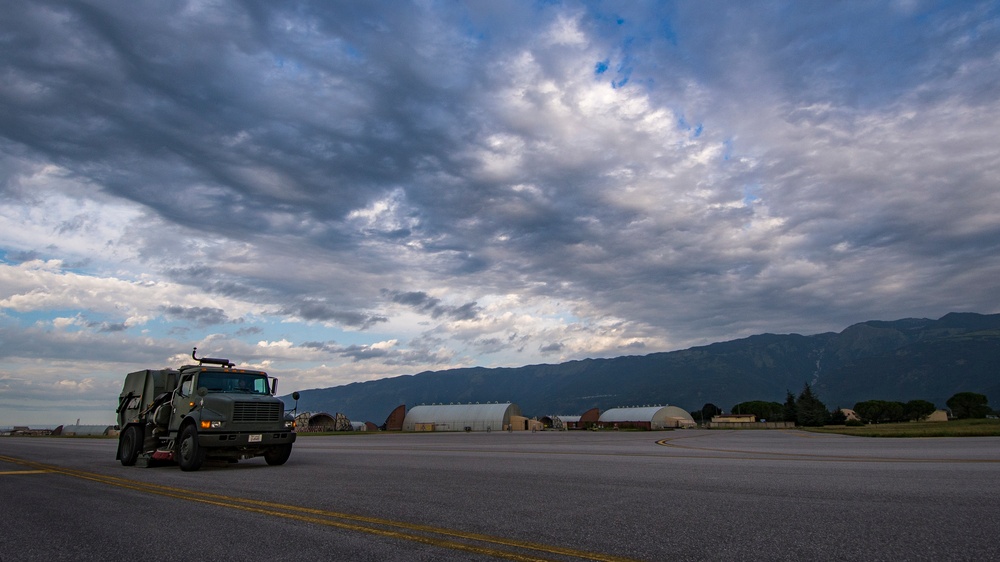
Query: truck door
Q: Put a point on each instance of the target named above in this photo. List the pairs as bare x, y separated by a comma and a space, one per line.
184, 395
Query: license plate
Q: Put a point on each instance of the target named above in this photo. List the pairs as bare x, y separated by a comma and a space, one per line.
255, 438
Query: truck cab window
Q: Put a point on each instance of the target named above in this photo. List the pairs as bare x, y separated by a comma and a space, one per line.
186, 386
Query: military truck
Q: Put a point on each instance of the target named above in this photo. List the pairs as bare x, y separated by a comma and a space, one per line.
198, 412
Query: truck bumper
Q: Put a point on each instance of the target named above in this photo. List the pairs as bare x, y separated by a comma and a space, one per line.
245, 439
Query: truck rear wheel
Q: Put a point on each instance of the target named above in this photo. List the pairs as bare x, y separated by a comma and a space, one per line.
129, 445
189, 454
278, 455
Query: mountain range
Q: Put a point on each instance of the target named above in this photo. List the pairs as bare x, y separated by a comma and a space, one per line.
902, 360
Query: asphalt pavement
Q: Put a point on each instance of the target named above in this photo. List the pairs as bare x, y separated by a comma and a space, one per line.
659, 496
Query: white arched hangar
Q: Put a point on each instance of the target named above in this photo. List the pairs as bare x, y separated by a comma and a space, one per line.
647, 417
463, 417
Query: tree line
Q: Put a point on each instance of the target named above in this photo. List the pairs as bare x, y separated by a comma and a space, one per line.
808, 410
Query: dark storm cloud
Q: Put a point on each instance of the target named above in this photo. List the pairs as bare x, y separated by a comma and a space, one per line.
84, 348
23, 256
422, 302
111, 327
701, 170
71, 226
386, 354
200, 316
314, 311
554, 347
187, 134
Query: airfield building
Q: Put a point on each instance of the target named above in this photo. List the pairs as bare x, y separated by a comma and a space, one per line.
589, 418
647, 417
83, 430
560, 422
464, 417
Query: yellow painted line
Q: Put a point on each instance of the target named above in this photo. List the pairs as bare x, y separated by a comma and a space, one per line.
373, 525
14, 472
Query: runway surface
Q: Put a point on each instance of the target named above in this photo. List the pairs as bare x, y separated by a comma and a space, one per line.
674, 495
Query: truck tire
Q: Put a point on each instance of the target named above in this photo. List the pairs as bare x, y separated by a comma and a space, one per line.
189, 454
276, 456
129, 446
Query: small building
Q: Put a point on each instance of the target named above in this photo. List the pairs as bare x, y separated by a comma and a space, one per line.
735, 418
559, 422
589, 418
23, 430
464, 417
521, 423
647, 417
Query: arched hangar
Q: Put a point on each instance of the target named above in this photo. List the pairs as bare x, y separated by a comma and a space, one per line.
321, 422
588, 419
647, 417
463, 417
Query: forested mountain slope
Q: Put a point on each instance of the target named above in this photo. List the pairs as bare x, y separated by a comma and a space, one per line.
895, 360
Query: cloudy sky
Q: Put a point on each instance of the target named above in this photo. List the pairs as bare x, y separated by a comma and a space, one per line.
346, 191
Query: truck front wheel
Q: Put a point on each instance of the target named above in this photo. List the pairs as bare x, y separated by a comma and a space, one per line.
129, 446
189, 454
278, 455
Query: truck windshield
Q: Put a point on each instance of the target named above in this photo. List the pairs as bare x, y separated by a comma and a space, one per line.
233, 382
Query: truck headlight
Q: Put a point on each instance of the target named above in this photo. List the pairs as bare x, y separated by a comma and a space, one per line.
205, 424
289, 424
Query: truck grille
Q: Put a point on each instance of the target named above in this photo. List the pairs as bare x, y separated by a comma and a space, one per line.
256, 412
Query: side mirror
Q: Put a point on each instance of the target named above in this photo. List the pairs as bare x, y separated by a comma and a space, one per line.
202, 391
295, 395
274, 387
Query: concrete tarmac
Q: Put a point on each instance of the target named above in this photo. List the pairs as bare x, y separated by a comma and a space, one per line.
659, 496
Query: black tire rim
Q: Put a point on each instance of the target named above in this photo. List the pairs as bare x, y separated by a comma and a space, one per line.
187, 448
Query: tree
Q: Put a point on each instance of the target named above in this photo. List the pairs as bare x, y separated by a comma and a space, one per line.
869, 411
880, 411
790, 414
810, 411
772, 411
966, 405
837, 417
708, 411
916, 410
